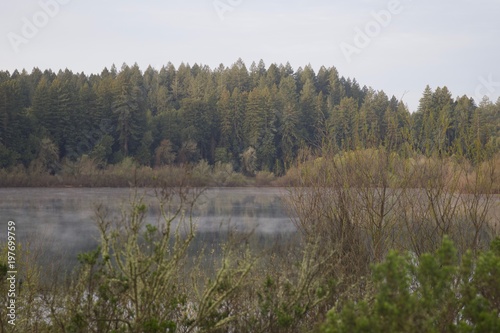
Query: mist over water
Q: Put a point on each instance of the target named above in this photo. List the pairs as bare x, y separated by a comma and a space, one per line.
60, 223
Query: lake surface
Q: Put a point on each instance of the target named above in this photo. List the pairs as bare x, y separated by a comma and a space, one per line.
59, 223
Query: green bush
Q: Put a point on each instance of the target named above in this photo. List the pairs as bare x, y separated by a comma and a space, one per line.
435, 293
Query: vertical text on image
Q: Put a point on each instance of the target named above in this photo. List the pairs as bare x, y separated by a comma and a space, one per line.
11, 273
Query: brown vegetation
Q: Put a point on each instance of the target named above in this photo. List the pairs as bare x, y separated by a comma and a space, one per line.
87, 173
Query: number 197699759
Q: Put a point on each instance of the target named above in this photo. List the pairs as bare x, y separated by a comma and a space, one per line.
11, 245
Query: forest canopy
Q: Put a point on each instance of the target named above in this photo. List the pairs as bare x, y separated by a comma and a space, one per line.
268, 114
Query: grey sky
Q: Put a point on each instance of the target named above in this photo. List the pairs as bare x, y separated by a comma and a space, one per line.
453, 43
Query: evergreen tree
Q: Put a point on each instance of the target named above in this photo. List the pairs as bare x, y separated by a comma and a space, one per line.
14, 126
443, 108
308, 111
291, 138
341, 123
200, 119
424, 122
129, 108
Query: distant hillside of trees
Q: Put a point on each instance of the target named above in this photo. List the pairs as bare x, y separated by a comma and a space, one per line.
228, 114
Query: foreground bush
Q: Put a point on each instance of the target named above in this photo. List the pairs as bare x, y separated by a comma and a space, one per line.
435, 293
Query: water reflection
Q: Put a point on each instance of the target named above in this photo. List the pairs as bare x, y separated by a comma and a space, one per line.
60, 222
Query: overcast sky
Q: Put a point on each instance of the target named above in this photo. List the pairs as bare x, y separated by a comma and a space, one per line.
395, 46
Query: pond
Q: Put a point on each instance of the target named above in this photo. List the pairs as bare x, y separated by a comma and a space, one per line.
59, 223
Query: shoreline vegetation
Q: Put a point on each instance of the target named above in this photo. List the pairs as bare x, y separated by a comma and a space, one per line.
86, 172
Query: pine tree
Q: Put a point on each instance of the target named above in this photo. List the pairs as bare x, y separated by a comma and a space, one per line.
444, 109
14, 125
308, 110
341, 123
424, 122
289, 119
199, 121
320, 118
460, 125
128, 108
238, 76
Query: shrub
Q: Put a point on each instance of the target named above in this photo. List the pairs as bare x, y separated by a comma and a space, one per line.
236, 179
201, 174
221, 173
434, 293
264, 178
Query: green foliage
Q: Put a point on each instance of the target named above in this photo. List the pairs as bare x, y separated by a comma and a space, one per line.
433, 293
102, 151
129, 108
214, 115
7, 157
47, 159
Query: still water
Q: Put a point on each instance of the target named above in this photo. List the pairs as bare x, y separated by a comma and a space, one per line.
59, 223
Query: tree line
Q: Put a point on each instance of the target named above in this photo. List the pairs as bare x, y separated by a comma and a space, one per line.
257, 118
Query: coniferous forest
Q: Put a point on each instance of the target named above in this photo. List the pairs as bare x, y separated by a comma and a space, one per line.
256, 119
